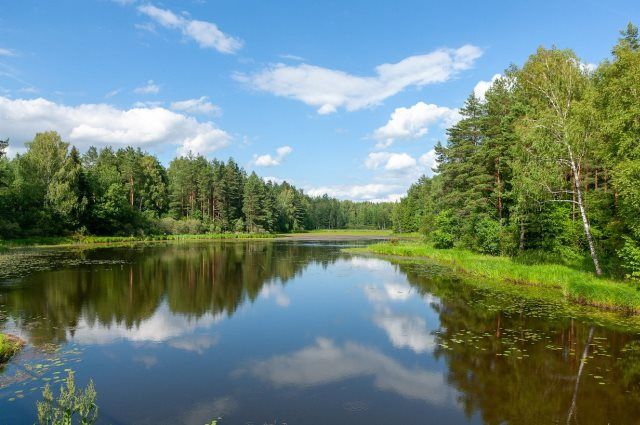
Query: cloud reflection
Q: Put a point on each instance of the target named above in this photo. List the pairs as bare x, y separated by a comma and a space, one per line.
162, 326
326, 362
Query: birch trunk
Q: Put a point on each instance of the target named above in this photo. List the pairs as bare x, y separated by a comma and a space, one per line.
583, 214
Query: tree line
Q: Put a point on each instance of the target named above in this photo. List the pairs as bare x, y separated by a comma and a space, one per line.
53, 189
546, 165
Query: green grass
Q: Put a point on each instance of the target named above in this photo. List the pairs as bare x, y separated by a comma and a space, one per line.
557, 281
9, 346
90, 240
349, 232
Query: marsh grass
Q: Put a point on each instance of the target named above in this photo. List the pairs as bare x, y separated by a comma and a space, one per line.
557, 281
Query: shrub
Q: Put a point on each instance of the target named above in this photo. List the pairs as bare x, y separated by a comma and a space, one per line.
630, 254
488, 235
445, 230
442, 240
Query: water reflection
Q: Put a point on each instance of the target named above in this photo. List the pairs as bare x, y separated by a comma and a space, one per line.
251, 331
154, 293
325, 362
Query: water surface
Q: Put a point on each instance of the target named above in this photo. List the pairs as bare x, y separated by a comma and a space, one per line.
300, 333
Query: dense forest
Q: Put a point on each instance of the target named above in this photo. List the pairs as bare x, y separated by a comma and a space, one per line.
546, 165
52, 189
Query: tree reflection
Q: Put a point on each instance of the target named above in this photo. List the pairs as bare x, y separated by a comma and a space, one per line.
512, 363
125, 287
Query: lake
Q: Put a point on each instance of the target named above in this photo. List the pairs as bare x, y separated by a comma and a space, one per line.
299, 332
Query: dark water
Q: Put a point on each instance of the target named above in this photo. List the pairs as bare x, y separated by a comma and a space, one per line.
300, 333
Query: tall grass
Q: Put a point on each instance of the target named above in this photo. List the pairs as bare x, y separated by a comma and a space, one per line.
574, 285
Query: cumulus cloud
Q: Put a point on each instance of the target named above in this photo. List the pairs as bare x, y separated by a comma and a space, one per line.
102, 124
329, 89
429, 161
200, 105
271, 161
149, 88
413, 122
206, 34
481, 88
390, 161
373, 192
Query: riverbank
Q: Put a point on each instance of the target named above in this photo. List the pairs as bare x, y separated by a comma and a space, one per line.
558, 281
79, 240
9, 347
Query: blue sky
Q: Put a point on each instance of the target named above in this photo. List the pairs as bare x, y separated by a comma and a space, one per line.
344, 97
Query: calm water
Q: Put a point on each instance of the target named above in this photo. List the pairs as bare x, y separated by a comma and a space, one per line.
300, 333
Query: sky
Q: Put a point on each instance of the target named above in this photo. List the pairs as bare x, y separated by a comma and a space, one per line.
345, 97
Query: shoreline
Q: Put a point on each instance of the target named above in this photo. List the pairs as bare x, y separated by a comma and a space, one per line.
557, 282
89, 241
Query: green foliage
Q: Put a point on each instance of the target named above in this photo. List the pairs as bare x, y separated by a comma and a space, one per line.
546, 166
52, 191
630, 253
71, 405
557, 281
445, 229
488, 238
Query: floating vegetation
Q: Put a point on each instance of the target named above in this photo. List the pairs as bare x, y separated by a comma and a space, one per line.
39, 366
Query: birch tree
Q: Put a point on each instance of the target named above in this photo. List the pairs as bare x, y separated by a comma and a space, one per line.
557, 130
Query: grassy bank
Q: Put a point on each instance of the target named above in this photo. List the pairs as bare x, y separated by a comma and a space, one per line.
560, 282
9, 346
91, 240
79, 240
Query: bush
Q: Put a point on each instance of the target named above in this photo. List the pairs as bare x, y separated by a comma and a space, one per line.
188, 226
630, 254
443, 236
442, 240
488, 236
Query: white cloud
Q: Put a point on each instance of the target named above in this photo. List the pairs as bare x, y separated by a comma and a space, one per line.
292, 57
276, 180
587, 67
413, 122
149, 88
326, 362
390, 161
102, 124
200, 105
374, 192
112, 93
206, 34
481, 88
329, 89
6, 52
271, 161
429, 161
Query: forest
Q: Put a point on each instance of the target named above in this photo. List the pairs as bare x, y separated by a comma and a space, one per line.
52, 189
546, 167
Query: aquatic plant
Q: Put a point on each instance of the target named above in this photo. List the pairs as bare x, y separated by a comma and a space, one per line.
9, 346
71, 404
